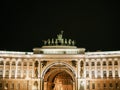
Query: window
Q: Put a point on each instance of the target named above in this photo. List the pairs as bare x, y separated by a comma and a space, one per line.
110, 85
98, 85
30, 73
1, 73
7, 73
104, 85
6, 86
1, 63
104, 74
19, 73
92, 63
99, 74
104, 63
98, 63
93, 85
30, 64
110, 73
0, 86
110, 63
13, 63
115, 63
25, 63
93, 74
18, 86
116, 85
88, 84
12, 87
116, 73
13, 73
7, 63
87, 64
19, 63
87, 73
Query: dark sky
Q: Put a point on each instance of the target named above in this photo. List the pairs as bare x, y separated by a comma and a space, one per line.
94, 25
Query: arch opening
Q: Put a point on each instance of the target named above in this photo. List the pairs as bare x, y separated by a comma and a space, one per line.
59, 77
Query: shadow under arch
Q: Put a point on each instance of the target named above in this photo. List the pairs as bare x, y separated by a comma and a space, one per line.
57, 63
51, 74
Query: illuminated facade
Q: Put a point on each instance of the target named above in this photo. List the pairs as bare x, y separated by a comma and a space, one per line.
59, 65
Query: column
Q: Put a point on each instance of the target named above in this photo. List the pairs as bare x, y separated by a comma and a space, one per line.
78, 75
21, 69
96, 69
41, 80
33, 70
101, 67
10, 69
119, 67
16, 69
39, 69
113, 69
4, 69
27, 70
107, 71
90, 74
45, 85
73, 85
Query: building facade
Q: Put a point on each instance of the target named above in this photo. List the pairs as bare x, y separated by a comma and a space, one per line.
59, 65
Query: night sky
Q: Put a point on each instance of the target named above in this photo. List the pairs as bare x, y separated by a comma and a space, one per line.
94, 25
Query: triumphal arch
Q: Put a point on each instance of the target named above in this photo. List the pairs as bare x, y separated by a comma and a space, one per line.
61, 64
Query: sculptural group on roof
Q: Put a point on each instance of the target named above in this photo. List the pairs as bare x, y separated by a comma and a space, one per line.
59, 41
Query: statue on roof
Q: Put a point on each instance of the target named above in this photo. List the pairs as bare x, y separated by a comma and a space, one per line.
59, 36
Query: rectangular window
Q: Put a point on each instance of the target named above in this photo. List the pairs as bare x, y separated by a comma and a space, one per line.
110, 73
104, 85
116, 85
87, 73
104, 74
30, 73
99, 74
18, 86
0, 85
12, 87
116, 73
6, 86
110, 84
87, 64
18, 73
7, 73
1, 73
13, 73
30, 64
88, 85
98, 85
93, 74
93, 64
93, 85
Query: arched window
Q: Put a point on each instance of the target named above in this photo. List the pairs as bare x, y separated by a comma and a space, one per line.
115, 63
25, 64
1, 62
7, 63
92, 64
19, 63
110, 63
13, 63
87, 64
98, 63
30, 63
104, 63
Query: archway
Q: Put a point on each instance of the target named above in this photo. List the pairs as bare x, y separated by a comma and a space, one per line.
59, 77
